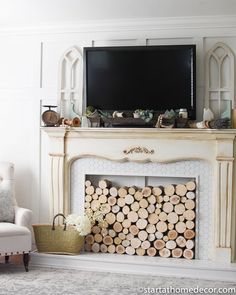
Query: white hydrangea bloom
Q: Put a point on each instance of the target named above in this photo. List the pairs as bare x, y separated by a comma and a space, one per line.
71, 219
81, 223
84, 225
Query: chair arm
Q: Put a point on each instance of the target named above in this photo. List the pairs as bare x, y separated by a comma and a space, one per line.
23, 216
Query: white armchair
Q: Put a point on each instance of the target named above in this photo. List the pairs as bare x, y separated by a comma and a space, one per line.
15, 236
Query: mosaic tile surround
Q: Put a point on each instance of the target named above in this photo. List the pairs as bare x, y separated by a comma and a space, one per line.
200, 170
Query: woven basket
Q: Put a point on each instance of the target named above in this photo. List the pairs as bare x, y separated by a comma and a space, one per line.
57, 239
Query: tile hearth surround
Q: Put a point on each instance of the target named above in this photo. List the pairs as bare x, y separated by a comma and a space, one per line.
214, 148
155, 173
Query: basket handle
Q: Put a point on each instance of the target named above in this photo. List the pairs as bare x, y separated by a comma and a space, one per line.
57, 215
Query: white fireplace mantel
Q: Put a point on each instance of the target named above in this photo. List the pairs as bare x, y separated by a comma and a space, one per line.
152, 145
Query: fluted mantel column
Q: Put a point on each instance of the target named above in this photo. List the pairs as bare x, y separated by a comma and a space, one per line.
223, 201
57, 164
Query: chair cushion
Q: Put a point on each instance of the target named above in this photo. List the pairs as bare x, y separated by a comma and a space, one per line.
11, 229
14, 239
7, 211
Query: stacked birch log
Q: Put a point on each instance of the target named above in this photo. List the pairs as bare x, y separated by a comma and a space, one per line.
153, 221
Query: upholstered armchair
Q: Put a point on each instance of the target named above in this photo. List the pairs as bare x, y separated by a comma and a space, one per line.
15, 222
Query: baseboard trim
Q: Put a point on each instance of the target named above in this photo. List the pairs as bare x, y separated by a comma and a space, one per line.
139, 265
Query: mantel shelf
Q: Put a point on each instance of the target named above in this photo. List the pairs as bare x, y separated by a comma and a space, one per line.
172, 133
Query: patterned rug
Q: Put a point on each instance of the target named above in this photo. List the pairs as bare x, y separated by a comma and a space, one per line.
51, 281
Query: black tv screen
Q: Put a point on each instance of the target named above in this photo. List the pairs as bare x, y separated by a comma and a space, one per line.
143, 77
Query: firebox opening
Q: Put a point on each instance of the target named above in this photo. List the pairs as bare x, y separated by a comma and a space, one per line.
142, 215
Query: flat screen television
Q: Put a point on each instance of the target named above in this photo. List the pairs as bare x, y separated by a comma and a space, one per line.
141, 77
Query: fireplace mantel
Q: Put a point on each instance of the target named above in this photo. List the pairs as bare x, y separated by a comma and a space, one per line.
152, 145
145, 132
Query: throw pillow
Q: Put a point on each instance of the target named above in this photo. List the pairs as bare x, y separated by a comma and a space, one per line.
7, 212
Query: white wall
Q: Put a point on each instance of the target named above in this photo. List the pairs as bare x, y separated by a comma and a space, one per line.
34, 12
19, 104
29, 73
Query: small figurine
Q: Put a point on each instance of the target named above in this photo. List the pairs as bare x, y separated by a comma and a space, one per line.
221, 123
70, 122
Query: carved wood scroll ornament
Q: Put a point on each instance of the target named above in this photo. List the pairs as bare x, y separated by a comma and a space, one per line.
138, 150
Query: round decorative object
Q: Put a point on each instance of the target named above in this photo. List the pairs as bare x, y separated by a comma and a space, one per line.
50, 117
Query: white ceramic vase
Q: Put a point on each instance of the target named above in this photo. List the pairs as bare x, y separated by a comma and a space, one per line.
207, 114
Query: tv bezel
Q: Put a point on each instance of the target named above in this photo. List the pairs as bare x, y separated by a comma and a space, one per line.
192, 111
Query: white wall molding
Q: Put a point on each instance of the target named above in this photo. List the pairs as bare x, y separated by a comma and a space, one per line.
213, 23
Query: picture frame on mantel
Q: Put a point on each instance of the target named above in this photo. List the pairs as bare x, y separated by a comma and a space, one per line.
70, 92
219, 90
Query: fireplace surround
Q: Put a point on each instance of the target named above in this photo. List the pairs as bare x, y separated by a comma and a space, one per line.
76, 147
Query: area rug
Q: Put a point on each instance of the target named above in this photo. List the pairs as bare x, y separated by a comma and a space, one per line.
51, 281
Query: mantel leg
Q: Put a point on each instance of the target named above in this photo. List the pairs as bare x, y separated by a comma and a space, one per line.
57, 185
223, 210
